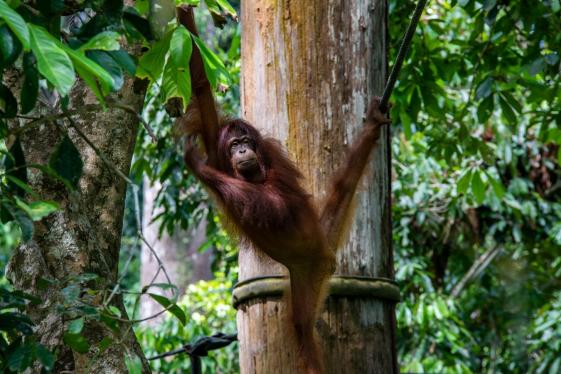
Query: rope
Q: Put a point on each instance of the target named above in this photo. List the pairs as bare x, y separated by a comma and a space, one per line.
200, 348
403, 49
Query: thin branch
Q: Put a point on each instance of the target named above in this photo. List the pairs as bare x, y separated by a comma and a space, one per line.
98, 152
37, 121
476, 268
131, 110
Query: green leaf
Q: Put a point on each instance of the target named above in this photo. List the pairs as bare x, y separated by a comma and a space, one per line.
225, 5
172, 308
478, 187
30, 89
212, 6
105, 60
71, 293
77, 342
22, 218
464, 181
66, 162
134, 365
14, 164
91, 73
39, 209
10, 47
176, 83
125, 61
16, 24
181, 47
484, 89
115, 311
21, 184
214, 68
45, 357
485, 109
52, 61
151, 64
515, 104
21, 358
497, 186
507, 111
104, 41
76, 326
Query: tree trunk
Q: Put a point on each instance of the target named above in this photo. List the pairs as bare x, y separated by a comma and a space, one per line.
178, 253
309, 70
84, 235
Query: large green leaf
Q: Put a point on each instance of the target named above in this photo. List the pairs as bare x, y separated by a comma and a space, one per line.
181, 47
16, 23
214, 68
52, 61
151, 64
176, 83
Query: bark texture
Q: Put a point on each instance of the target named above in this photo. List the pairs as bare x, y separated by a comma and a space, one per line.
84, 235
309, 70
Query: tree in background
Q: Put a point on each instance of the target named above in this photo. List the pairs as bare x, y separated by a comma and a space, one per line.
476, 183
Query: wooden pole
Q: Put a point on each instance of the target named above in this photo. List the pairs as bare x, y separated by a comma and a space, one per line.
309, 69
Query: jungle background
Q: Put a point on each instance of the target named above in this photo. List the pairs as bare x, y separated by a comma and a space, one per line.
476, 200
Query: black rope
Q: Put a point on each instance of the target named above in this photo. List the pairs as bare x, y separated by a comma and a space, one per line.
403, 49
200, 348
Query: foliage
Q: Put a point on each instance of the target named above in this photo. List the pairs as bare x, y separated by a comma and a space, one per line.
477, 208
181, 201
18, 348
209, 308
477, 204
52, 44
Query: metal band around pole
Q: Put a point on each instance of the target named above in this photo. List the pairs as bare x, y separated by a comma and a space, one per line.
339, 286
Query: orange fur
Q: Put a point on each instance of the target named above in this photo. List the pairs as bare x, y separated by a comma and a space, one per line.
279, 218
